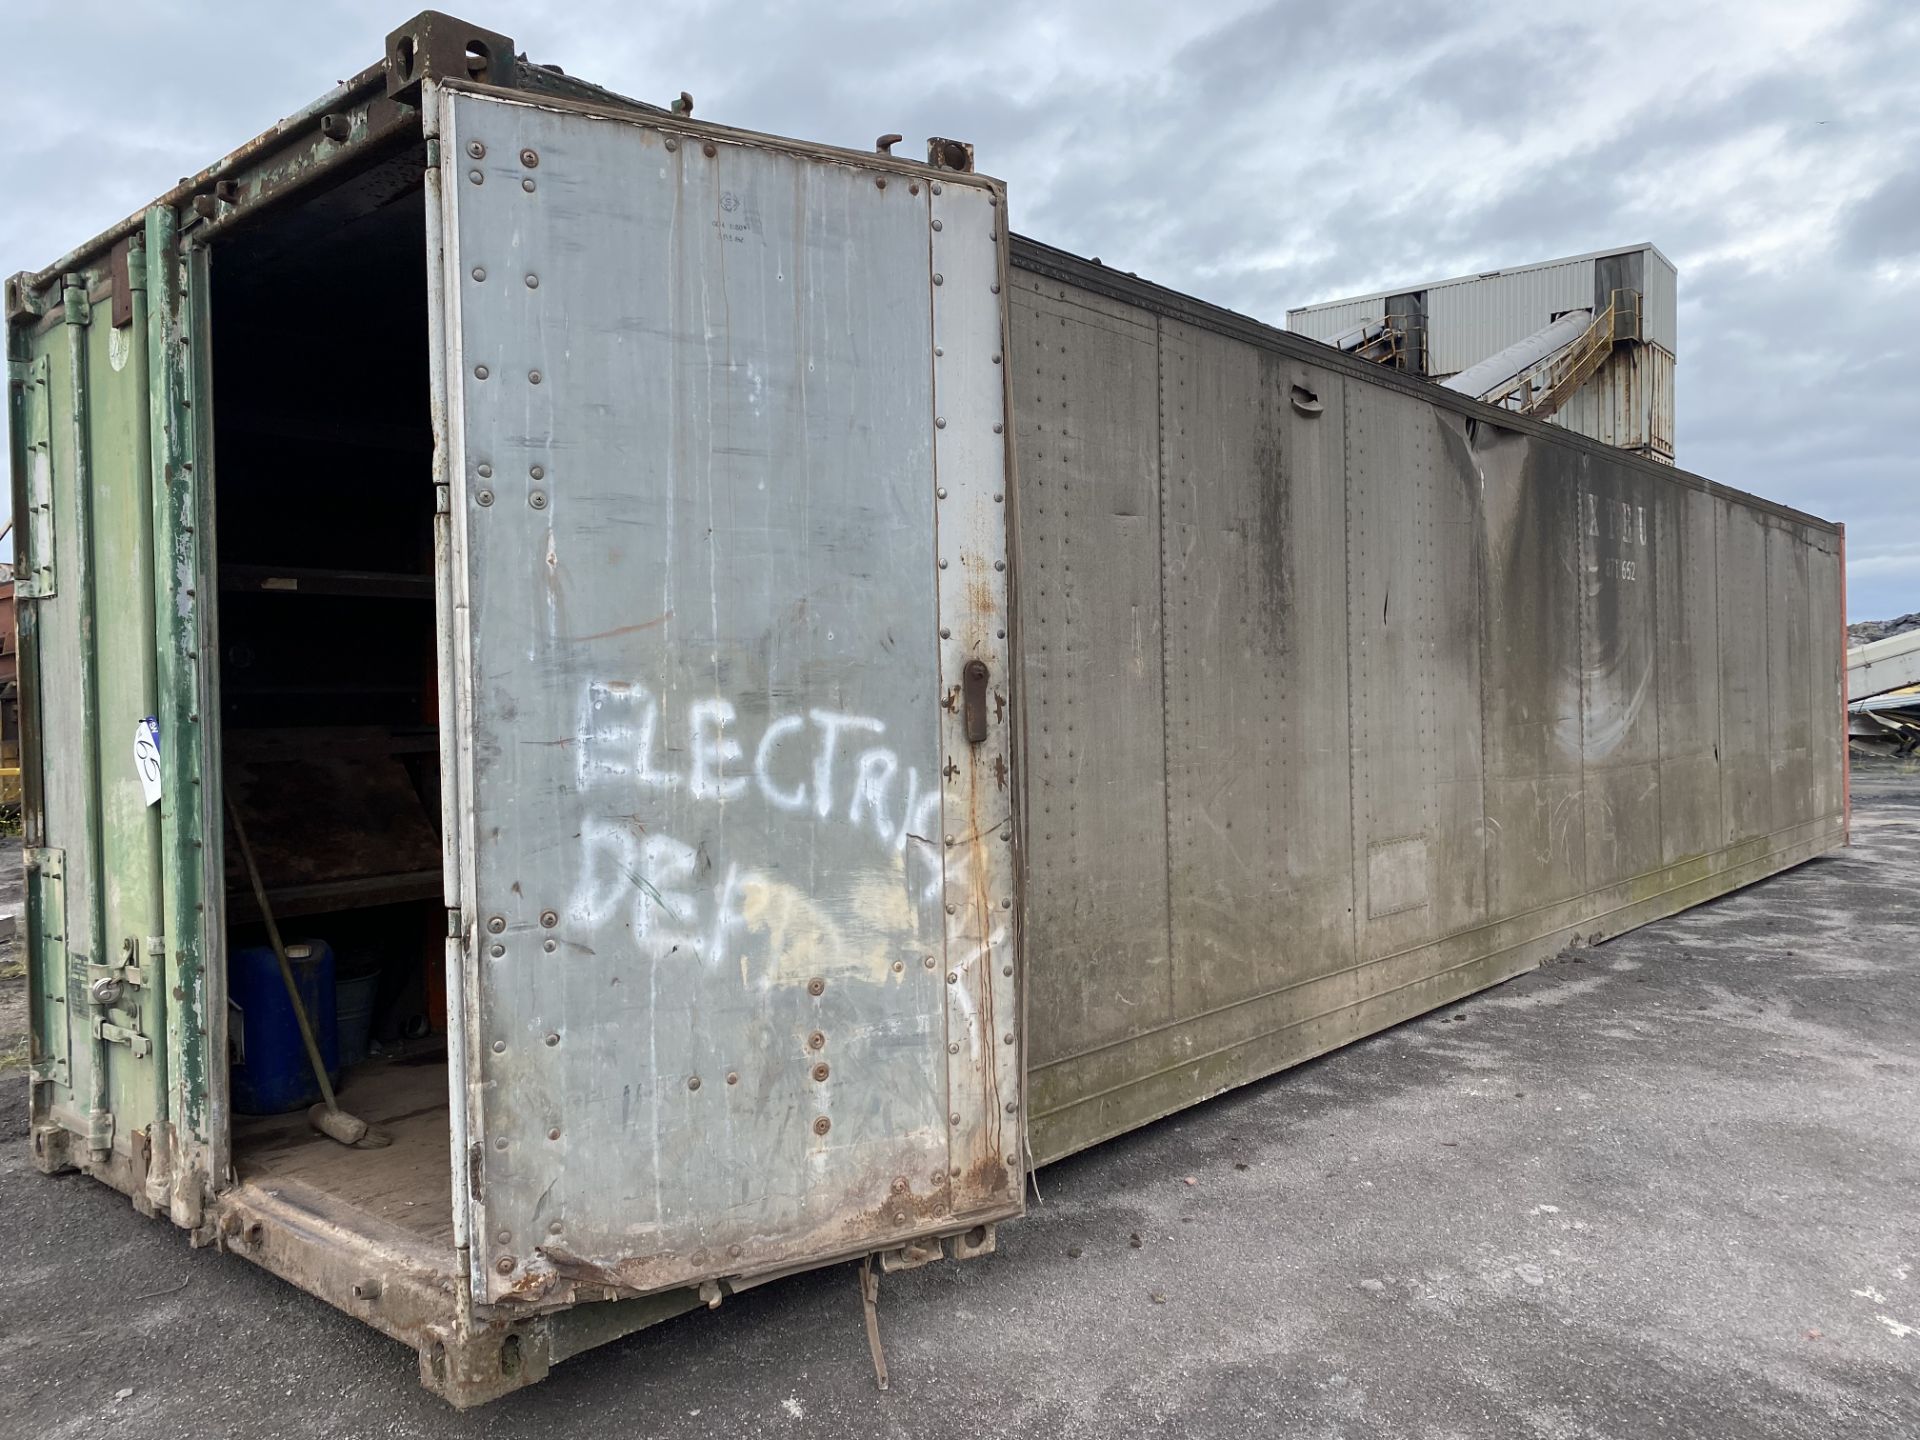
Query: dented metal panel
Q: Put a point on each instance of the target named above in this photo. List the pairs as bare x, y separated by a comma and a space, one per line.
728, 500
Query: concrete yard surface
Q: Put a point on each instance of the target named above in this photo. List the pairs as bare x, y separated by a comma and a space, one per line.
1666, 1186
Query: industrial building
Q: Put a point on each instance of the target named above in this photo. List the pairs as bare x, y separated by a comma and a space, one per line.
1587, 342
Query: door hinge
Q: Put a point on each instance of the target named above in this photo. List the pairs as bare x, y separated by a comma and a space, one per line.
34, 572
75, 308
454, 928
433, 152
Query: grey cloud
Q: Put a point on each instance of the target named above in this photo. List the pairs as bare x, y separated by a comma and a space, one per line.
1245, 159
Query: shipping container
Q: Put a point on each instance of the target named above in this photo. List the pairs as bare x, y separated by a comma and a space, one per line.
770, 705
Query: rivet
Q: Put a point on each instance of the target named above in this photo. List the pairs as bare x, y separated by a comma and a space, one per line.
818, 1041
941, 492
533, 377
946, 634
956, 1172
504, 1237
673, 144
929, 962
937, 225
953, 1047
938, 351
1012, 1105
953, 977
476, 150
898, 966
554, 1228
949, 839
820, 1071
554, 1133
533, 282
1007, 904
700, 1257
996, 288
499, 1047
527, 185
952, 908
497, 951
998, 428
550, 945
913, 189
939, 422
997, 497
936, 187
822, 1125
504, 1264
485, 497
938, 278
999, 564
693, 1082
538, 472
485, 470
900, 1186
733, 1077
1007, 1039
733, 1251
479, 372
501, 1143
548, 918
1006, 969
816, 986
1012, 1160
530, 158
476, 177
953, 1119
996, 359
538, 500
943, 562
479, 272
497, 923
881, 183
708, 150
899, 1217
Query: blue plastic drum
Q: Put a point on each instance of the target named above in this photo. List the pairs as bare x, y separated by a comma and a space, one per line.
271, 1072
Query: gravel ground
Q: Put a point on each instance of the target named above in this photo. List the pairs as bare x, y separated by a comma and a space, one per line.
1664, 1186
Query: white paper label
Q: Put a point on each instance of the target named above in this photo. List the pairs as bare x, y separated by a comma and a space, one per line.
146, 758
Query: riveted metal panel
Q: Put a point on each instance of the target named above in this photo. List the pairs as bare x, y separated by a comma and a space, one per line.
700, 423
1685, 561
1086, 412
1746, 724
1256, 590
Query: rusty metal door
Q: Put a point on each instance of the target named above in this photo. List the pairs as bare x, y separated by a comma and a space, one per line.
726, 591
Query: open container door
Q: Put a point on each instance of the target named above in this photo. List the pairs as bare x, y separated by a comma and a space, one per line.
734, 985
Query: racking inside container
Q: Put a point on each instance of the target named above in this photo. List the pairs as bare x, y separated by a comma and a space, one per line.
327, 680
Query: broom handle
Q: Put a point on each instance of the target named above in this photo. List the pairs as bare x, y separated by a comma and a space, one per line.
280, 954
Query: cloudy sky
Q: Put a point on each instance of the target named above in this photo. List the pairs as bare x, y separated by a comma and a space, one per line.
1258, 155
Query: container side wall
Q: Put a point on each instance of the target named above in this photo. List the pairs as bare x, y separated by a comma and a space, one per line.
1561, 693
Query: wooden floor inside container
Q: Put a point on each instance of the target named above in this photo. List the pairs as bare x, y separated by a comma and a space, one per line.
406, 1184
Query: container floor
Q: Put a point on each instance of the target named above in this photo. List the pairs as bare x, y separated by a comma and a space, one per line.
405, 1184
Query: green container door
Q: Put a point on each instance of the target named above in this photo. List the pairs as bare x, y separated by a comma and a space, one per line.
82, 409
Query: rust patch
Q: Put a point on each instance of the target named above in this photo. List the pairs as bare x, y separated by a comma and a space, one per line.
627, 630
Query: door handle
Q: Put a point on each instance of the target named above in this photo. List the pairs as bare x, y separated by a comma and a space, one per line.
973, 700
